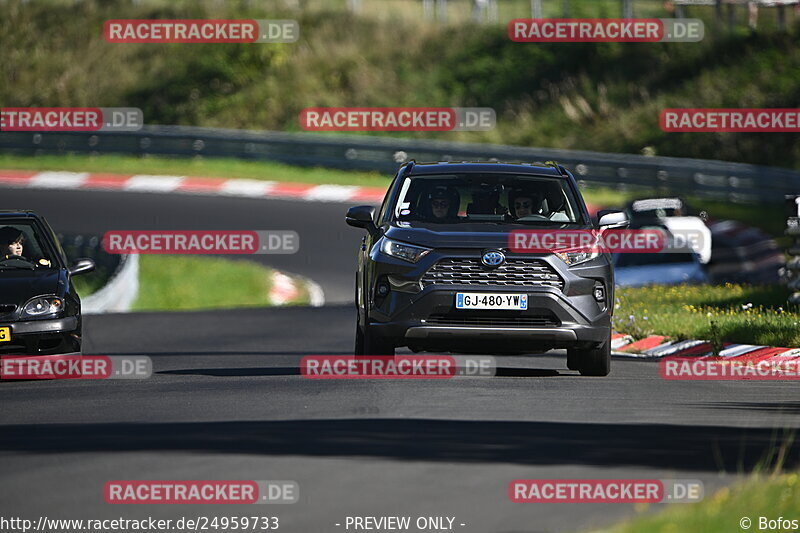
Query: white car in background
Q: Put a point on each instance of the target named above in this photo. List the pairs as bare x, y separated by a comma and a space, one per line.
671, 212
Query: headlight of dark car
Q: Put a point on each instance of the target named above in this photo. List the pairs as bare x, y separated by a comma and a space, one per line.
406, 252
41, 306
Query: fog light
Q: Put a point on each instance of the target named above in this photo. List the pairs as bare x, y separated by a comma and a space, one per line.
599, 293
383, 289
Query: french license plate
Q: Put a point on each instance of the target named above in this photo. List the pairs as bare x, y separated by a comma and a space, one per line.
5, 334
488, 300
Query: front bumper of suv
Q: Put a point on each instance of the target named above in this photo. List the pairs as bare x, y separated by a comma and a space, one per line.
420, 313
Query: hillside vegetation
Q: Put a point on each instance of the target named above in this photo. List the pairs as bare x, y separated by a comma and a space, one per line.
603, 97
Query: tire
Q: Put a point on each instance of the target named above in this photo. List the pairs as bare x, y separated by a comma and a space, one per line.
359, 348
367, 343
574, 359
592, 362
376, 345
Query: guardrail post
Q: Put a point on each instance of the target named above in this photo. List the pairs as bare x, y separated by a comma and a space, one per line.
731, 16
793, 229
627, 9
441, 10
536, 9
427, 9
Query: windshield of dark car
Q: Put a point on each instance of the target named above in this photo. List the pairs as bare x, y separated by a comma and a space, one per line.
14, 234
486, 198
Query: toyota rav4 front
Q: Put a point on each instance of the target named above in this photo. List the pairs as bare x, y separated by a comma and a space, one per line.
436, 271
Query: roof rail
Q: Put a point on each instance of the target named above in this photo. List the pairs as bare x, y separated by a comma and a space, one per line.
561, 169
409, 166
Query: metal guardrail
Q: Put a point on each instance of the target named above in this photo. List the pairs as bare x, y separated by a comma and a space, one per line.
116, 276
736, 182
118, 295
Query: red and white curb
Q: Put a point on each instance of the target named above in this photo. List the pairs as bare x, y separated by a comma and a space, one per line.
285, 290
657, 346
145, 183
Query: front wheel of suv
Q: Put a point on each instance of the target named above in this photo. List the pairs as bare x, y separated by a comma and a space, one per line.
591, 362
367, 343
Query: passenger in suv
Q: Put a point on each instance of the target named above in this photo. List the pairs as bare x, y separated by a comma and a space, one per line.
454, 283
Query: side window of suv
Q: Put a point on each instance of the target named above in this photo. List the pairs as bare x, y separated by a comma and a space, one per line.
384, 213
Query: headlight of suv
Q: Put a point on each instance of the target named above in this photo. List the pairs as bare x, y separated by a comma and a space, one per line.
42, 306
406, 252
575, 258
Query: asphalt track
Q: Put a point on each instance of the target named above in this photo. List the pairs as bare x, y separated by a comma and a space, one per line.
226, 401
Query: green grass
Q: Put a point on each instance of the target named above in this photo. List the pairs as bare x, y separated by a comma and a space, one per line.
87, 284
773, 497
220, 168
182, 283
741, 313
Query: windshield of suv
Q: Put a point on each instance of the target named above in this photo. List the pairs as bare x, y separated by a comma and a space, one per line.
21, 246
486, 198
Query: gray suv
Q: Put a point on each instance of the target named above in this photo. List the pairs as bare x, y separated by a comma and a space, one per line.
436, 271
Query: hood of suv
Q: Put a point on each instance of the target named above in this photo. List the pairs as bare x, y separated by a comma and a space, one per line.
19, 286
465, 235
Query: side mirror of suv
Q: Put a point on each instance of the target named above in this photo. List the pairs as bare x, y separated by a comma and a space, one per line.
362, 216
82, 266
611, 219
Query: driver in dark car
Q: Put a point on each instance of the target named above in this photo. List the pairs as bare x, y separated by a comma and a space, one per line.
11, 240
11, 246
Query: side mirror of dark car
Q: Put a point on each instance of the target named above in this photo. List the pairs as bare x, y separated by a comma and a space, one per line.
82, 266
362, 216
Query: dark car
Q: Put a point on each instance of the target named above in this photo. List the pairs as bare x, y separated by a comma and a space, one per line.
435, 272
40, 312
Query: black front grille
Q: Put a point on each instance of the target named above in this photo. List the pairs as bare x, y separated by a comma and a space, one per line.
454, 319
12, 348
7, 309
515, 272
